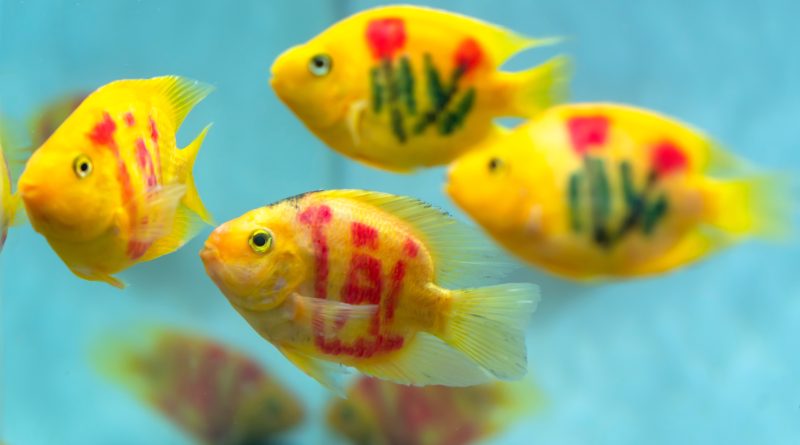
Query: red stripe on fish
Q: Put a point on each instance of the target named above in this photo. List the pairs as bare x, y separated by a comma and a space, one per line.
395, 287
364, 235
411, 248
154, 138
364, 284
145, 163
103, 134
587, 132
129, 119
316, 217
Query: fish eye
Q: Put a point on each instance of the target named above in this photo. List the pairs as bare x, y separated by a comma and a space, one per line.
260, 241
320, 65
82, 166
495, 164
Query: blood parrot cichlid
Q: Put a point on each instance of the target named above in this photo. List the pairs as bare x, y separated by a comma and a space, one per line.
109, 188
382, 413
213, 392
403, 87
594, 190
357, 278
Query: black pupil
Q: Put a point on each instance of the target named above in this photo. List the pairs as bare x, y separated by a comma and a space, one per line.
260, 239
319, 62
84, 166
494, 163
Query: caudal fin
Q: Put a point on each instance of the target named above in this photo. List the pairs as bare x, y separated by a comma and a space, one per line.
753, 206
187, 157
488, 325
530, 92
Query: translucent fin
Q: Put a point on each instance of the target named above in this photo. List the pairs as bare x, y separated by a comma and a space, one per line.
156, 213
355, 114
527, 93
329, 312
498, 42
328, 374
185, 226
185, 159
427, 360
462, 255
179, 93
102, 277
753, 206
488, 325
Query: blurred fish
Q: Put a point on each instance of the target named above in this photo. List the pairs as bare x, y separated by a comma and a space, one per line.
356, 278
9, 202
52, 115
209, 390
402, 87
109, 188
595, 190
383, 413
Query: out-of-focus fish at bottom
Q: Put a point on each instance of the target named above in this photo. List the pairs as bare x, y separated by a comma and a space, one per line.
215, 394
383, 413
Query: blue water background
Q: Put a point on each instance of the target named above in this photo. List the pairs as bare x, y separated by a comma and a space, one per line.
705, 355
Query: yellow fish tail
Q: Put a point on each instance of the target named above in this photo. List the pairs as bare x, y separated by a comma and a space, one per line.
186, 158
527, 93
753, 206
488, 325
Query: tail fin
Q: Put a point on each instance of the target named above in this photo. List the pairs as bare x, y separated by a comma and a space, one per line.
186, 160
488, 325
753, 206
533, 91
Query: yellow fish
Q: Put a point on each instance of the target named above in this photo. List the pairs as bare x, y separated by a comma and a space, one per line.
357, 278
8, 201
213, 392
403, 87
601, 190
110, 188
382, 413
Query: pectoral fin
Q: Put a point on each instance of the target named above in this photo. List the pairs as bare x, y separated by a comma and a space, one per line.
355, 114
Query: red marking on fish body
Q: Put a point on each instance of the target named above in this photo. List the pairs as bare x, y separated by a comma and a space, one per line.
411, 248
395, 286
666, 157
129, 119
587, 131
145, 163
385, 37
316, 217
364, 235
153, 130
103, 131
468, 55
364, 284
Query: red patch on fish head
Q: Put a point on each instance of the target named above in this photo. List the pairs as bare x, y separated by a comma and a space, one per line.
103, 132
129, 119
666, 158
587, 131
385, 37
468, 55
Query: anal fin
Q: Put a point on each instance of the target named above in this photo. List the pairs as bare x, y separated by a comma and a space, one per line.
427, 360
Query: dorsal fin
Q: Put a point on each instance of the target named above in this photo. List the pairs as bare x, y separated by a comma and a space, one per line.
179, 93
